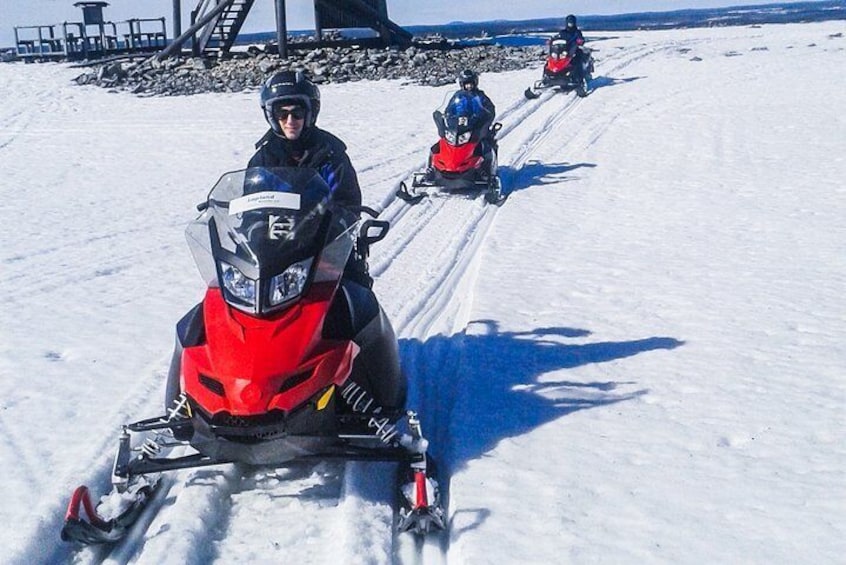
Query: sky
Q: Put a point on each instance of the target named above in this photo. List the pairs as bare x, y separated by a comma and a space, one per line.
300, 12
637, 358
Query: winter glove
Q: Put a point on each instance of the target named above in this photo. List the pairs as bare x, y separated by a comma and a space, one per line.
331, 175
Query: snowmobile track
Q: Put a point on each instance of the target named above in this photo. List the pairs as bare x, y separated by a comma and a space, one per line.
422, 300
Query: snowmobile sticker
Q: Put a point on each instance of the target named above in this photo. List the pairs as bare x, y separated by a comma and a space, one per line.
260, 200
279, 227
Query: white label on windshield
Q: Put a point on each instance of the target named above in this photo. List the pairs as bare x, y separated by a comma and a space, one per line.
260, 200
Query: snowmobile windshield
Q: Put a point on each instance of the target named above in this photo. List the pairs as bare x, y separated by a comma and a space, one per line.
464, 113
558, 48
265, 234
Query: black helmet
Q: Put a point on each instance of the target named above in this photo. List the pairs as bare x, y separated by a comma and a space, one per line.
289, 87
570, 21
468, 76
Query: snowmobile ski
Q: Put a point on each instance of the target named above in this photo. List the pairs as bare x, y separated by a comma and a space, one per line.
531, 94
421, 509
97, 529
403, 193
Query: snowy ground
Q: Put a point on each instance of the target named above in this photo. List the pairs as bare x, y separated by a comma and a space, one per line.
638, 358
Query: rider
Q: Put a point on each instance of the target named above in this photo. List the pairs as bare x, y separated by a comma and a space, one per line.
574, 38
291, 104
468, 81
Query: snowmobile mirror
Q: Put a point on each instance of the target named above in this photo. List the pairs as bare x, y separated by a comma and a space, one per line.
439, 122
373, 231
367, 210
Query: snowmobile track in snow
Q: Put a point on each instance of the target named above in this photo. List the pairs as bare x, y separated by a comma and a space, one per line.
422, 300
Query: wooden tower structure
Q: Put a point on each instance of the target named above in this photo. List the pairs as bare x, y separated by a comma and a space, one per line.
215, 24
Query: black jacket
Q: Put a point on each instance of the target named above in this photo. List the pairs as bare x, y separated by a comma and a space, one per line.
574, 39
318, 149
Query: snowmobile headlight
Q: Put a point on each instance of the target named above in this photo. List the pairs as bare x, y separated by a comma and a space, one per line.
290, 283
450, 137
464, 138
238, 284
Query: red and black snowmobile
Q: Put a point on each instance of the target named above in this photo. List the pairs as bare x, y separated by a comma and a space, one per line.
284, 359
559, 70
465, 157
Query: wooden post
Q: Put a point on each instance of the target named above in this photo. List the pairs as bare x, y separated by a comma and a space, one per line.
281, 29
177, 18
318, 31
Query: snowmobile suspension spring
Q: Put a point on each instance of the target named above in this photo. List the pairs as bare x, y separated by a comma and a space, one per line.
384, 429
181, 409
361, 402
357, 398
151, 446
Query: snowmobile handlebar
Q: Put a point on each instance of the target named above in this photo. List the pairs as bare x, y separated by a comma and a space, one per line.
365, 209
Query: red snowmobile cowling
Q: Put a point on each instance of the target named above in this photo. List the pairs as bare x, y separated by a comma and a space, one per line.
456, 159
556, 65
250, 366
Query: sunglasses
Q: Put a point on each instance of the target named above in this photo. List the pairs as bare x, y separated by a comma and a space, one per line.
297, 113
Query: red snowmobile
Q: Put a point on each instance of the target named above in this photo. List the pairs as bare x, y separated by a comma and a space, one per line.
283, 360
559, 71
464, 158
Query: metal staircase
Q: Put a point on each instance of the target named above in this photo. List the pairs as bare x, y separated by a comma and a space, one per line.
219, 34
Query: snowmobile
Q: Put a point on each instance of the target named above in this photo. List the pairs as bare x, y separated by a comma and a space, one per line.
284, 360
465, 157
558, 71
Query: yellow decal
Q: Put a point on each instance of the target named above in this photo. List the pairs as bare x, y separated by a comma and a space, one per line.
324, 400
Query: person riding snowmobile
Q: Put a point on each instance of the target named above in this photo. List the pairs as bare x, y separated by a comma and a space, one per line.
574, 38
291, 104
468, 81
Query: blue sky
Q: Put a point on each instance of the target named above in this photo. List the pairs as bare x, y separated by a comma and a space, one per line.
300, 12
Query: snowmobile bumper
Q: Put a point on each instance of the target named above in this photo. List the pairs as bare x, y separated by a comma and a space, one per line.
366, 434
447, 181
564, 82
215, 446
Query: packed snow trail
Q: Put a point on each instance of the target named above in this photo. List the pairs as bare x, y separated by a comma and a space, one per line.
423, 299
426, 279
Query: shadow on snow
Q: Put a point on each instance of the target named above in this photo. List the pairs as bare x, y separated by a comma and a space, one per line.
536, 173
602, 82
480, 387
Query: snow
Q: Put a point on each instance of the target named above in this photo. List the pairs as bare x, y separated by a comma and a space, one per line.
638, 357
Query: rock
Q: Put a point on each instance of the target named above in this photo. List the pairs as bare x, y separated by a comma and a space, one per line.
434, 63
200, 63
